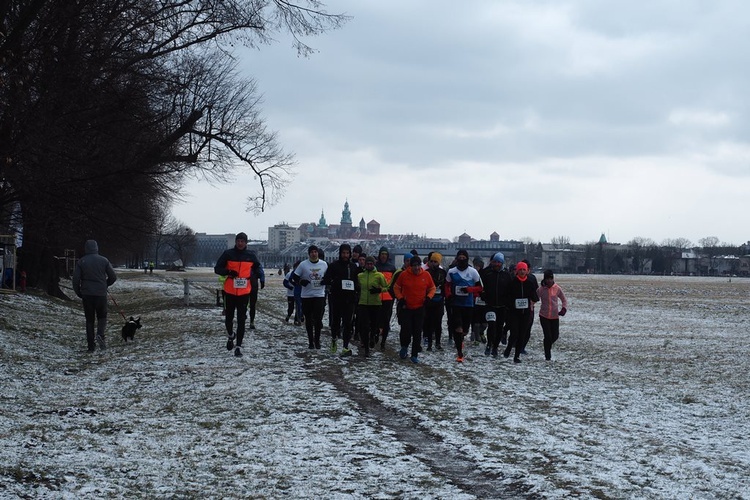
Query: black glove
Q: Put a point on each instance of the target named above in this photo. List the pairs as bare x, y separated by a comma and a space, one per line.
374, 290
304, 282
232, 274
262, 285
562, 311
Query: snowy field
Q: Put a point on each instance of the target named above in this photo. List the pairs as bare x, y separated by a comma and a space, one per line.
647, 397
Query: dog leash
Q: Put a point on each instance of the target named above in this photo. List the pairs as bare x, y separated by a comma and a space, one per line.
117, 306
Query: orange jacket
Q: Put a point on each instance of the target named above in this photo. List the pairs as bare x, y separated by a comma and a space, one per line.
244, 269
415, 288
242, 262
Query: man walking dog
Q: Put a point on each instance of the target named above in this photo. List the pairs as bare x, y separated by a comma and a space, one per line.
91, 278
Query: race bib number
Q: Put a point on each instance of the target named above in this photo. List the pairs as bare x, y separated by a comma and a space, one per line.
522, 303
316, 283
490, 316
240, 282
480, 302
461, 291
347, 285
438, 291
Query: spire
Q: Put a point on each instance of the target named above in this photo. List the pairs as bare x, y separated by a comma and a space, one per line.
322, 221
346, 215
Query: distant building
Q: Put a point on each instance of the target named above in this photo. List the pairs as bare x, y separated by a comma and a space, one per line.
210, 246
281, 236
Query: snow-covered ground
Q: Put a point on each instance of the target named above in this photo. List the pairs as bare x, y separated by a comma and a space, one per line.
647, 397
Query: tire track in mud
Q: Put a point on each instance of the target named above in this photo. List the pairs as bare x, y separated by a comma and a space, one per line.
443, 458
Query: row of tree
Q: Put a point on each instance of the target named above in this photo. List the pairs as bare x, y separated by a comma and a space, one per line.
108, 106
633, 256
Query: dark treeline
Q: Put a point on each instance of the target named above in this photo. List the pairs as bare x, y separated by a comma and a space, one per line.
106, 106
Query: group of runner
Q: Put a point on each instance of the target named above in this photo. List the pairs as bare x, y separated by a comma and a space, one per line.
360, 292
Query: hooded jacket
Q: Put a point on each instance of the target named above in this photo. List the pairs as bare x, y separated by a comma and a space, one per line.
341, 277
93, 273
496, 284
386, 269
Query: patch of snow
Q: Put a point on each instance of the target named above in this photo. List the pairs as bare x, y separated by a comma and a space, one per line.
646, 397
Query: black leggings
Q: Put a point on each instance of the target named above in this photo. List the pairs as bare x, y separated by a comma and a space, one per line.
367, 317
313, 308
495, 327
461, 317
238, 303
551, 329
411, 329
252, 302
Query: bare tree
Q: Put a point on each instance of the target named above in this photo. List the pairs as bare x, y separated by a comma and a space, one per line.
710, 245
560, 242
639, 247
182, 243
106, 107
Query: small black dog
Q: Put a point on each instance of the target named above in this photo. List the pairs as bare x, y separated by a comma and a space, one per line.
128, 331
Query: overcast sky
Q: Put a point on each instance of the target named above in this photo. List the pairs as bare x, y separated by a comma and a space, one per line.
530, 118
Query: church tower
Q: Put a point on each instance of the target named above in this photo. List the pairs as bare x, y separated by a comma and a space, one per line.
346, 221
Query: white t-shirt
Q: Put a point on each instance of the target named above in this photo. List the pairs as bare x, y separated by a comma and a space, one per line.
312, 272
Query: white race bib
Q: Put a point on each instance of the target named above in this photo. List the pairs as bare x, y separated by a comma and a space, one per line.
316, 283
437, 291
480, 302
522, 303
461, 291
347, 285
490, 316
240, 282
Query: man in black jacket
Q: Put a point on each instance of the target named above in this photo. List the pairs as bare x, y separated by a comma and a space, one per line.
496, 281
343, 290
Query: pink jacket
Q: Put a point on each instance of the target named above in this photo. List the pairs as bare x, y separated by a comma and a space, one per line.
548, 300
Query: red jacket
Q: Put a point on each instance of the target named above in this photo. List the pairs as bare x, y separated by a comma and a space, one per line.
415, 288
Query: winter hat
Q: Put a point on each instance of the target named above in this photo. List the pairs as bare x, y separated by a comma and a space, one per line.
383, 250
478, 260
345, 246
499, 257
357, 248
548, 274
436, 256
240, 236
522, 265
311, 248
415, 261
407, 257
91, 246
414, 252
462, 252
369, 258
